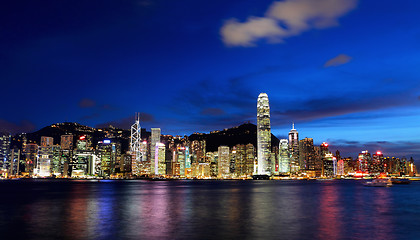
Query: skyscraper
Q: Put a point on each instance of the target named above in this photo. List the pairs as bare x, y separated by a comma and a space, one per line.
155, 139
263, 166
160, 166
108, 152
378, 163
364, 160
284, 157
66, 153
83, 160
135, 143
45, 157
31, 153
294, 149
309, 158
223, 162
66, 142
5, 140
250, 159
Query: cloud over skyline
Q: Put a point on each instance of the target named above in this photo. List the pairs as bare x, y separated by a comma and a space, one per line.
285, 19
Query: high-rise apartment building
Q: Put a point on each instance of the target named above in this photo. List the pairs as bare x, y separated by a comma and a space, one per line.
263, 166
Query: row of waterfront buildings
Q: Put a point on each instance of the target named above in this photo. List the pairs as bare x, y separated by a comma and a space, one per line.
157, 155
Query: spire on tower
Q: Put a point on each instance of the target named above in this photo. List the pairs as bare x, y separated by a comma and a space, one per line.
293, 125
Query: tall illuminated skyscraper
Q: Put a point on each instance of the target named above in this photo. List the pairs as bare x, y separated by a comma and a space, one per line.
263, 136
108, 152
5, 139
294, 149
66, 153
159, 164
250, 158
135, 143
45, 157
284, 157
31, 153
155, 139
223, 162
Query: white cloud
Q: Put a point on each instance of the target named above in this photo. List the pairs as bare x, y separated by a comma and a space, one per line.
295, 17
235, 33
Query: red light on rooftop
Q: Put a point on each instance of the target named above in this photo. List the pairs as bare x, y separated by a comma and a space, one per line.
324, 144
82, 137
378, 153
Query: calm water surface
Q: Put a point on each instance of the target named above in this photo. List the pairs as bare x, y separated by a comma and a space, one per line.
337, 209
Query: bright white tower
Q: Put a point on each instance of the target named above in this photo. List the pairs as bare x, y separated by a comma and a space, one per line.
135, 145
263, 136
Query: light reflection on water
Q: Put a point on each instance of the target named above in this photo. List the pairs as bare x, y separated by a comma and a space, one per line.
207, 210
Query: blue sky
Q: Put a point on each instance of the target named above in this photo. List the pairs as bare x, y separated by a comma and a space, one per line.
344, 71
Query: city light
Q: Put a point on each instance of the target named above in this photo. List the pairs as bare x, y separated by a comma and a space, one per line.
196, 156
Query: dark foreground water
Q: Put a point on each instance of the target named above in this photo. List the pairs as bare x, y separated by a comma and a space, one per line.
338, 209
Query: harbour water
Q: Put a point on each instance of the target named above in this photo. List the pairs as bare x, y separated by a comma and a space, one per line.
187, 209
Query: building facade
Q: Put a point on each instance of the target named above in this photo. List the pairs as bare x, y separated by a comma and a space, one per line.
263, 166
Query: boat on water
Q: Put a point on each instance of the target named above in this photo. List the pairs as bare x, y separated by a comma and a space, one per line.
400, 181
379, 182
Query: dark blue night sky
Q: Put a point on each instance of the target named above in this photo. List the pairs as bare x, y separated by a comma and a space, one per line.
345, 71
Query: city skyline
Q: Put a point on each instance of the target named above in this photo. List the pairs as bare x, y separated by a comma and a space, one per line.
344, 71
293, 134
